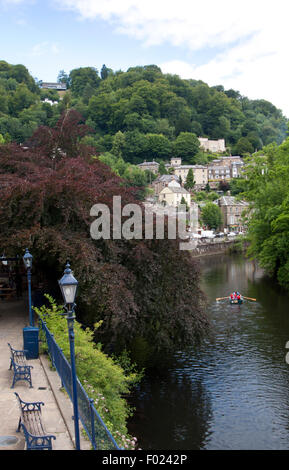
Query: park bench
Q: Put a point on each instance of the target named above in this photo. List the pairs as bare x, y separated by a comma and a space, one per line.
22, 371
31, 423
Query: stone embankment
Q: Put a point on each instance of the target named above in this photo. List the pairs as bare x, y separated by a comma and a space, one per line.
214, 247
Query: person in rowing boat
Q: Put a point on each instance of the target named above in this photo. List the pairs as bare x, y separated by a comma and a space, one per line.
236, 295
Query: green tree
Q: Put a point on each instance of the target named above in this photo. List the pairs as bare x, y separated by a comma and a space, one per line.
212, 216
118, 144
267, 189
186, 146
81, 77
162, 169
243, 146
63, 78
104, 72
21, 99
190, 181
158, 146
184, 203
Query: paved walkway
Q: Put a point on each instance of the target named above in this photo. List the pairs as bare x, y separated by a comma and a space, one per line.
57, 412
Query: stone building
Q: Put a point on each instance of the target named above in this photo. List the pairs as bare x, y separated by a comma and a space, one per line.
233, 212
176, 161
151, 166
53, 86
172, 195
162, 181
212, 145
200, 174
225, 168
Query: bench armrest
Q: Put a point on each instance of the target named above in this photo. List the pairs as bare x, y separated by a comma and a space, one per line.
17, 351
29, 406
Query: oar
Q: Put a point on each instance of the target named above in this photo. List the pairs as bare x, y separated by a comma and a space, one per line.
222, 298
249, 298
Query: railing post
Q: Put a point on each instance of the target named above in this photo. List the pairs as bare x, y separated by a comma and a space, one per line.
57, 358
91, 407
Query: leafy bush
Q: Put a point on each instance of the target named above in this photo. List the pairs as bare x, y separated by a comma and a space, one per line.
102, 378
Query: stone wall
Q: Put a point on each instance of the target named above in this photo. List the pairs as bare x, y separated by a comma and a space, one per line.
213, 247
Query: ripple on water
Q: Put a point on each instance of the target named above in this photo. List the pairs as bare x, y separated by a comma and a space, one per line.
232, 392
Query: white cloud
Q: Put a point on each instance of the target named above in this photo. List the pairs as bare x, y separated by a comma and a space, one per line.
253, 35
185, 22
258, 68
45, 48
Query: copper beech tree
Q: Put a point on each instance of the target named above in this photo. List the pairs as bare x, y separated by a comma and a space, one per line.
146, 292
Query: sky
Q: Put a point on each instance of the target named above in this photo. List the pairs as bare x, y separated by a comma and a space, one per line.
238, 44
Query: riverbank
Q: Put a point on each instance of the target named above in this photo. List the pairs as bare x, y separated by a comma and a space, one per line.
216, 247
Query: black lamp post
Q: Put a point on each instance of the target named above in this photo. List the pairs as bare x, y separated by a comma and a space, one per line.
68, 285
27, 258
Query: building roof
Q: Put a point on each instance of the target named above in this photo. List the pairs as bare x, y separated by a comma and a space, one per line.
231, 201
185, 167
148, 164
218, 167
166, 178
176, 190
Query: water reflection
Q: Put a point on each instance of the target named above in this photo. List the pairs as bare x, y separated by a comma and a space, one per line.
172, 413
232, 392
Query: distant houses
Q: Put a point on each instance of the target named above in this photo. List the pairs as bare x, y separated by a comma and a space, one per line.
169, 190
53, 86
220, 169
225, 168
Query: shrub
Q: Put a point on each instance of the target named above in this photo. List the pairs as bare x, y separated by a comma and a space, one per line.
102, 378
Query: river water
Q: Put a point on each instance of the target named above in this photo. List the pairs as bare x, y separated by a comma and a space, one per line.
232, 392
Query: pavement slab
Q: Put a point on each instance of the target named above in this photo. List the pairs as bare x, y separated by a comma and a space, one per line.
57, 411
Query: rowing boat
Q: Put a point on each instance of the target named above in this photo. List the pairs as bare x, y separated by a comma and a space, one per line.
236, 301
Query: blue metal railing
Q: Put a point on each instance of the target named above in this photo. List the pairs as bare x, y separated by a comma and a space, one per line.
98, 434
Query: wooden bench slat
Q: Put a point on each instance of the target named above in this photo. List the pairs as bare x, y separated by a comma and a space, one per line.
32, 420
31, 423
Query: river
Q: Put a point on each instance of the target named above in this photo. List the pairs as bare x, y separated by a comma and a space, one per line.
232, 392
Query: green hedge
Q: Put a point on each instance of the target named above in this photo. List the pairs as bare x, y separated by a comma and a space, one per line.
102, 377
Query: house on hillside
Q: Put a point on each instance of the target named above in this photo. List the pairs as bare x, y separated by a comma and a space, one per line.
200, 174
212, 145
173, 194
53, 86
225, 168
175, 161
151, 166
233, 212
162, 182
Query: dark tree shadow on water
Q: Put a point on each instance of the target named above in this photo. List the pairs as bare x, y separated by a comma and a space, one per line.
172, 413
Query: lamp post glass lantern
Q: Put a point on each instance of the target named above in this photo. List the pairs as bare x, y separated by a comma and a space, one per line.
68, 286
27, 259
